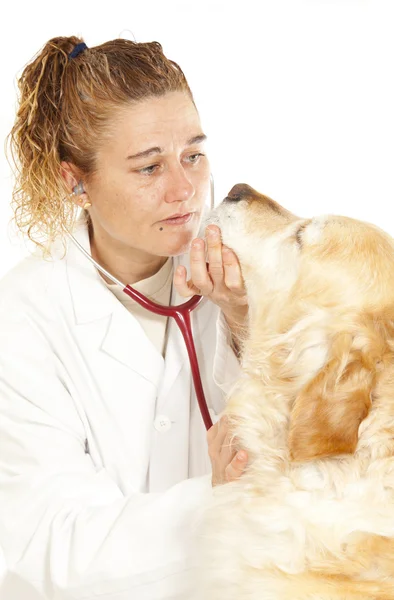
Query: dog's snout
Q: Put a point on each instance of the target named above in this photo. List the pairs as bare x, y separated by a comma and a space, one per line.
239, 192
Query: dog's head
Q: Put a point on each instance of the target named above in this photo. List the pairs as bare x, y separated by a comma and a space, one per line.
321, 294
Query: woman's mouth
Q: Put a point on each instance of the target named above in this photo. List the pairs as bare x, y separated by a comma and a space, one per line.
178, 219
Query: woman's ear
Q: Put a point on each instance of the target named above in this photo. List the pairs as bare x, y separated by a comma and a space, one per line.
74, 184
327, 413
68, 174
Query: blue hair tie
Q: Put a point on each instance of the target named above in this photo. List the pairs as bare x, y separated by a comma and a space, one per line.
77, 50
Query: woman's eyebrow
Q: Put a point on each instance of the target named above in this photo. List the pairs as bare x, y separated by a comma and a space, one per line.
145, 153
197, 139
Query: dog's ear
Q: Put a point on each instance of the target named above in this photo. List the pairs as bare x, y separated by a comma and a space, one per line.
327, 413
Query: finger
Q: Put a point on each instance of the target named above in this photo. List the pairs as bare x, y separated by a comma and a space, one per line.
212, 432
219, 451
222, 431
214, 251
218, 436
237, 466
183, 287
232, 272
198, 267
227, 451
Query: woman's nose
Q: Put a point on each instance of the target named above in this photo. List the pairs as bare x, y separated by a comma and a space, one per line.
179, 188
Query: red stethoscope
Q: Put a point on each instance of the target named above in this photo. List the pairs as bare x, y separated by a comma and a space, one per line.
181, 314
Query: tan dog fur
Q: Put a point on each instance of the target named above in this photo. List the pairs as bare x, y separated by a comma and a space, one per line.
313, 516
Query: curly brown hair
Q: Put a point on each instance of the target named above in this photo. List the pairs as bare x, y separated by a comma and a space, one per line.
66, 106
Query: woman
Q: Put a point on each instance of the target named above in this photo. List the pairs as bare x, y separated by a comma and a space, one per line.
103, 459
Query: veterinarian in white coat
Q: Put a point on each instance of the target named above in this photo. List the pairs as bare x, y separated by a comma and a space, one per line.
103, 453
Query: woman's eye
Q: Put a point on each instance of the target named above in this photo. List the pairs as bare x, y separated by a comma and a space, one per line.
148, 170
193, 158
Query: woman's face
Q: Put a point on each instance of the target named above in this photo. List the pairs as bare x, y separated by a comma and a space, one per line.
152, 178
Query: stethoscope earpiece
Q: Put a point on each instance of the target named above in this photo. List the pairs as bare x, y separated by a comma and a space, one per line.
78, 189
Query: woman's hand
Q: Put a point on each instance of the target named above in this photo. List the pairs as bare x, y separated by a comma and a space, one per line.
228, 464
220, 280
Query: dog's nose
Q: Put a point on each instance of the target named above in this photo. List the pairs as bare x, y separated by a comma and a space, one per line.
238, 192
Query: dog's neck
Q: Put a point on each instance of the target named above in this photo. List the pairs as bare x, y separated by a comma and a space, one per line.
277, 365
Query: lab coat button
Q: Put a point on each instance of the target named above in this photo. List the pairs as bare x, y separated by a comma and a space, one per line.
162, 423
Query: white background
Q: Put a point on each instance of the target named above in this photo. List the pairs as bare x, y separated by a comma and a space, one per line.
296, 96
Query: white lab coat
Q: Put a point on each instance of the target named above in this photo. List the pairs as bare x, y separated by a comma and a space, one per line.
91, 420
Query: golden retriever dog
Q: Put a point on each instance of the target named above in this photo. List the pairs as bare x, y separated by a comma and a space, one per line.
312, 518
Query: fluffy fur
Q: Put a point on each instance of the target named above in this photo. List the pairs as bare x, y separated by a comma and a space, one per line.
313, 516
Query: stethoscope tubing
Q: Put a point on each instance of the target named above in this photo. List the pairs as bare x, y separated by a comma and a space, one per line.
180, 313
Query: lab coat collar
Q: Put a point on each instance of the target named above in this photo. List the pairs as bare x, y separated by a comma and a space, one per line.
123, 338
92, 300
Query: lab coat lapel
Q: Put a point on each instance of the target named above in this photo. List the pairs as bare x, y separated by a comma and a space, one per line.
127, 343
177, 363
176, 356
124, 339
